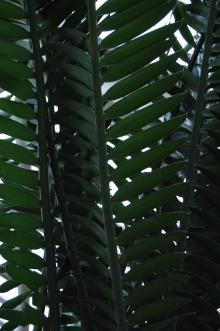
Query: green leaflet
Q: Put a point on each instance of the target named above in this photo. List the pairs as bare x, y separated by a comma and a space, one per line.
11, 31
14, 316
154, 289
8, 9
23, 276
15, 129
144, 116
23, 258
33, 316
157, 264
75, 72
143, 248
139, 207
198, 23
133, 47
150, 226
90, 188
8, 285
142, 96
18, 175
14, 302
140, 78
20, 220
156, 308
80, 90
165, 323
74, 108
22, 89
19, 196
27, 316
10, 326
146, 138
23, 239
92, 244
134, 62
75, 54
14, 69
114, 5
130, 13
17, 153
137, 26
144, 182
17, 109
184, 30
143, 160
13, 51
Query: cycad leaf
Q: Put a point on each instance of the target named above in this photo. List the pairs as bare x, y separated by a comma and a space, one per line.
22, 89
137, 26
15, 129
132, 47
154, 289
151, 225
16, 153
139, 208
13, 51
17, 109
20, 220
134, 62
30, 278
152, 310
18, 175
22, 239
144, 248
145, 182
10, 31
146, 138
10, 10
140, 78
142, 96
156, 264
14, 195
143, 160
16, 301
23, 258
144, 116
14, 69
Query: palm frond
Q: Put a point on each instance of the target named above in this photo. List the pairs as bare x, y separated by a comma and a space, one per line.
23, 200
134, 107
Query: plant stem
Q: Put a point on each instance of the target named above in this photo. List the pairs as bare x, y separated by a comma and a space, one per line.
43, 167
104, 175
195, 140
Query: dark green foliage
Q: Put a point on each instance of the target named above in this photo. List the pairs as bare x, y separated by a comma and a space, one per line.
102, 99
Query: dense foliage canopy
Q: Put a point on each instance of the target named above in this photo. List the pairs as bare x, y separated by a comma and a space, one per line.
109, 164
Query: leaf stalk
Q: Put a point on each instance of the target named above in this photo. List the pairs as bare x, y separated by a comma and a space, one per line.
104, 175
